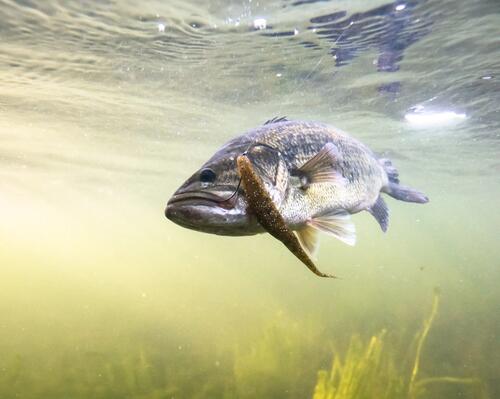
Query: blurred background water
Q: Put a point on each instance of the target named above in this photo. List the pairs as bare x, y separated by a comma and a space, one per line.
107, 106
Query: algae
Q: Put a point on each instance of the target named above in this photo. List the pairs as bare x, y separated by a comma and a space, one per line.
372, 370
281, 362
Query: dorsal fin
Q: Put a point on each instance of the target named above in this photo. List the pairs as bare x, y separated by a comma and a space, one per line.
276, 119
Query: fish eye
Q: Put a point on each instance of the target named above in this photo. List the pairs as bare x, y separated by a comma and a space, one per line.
207, 176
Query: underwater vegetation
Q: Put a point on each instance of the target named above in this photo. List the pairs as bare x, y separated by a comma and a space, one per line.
281, 363
372, 370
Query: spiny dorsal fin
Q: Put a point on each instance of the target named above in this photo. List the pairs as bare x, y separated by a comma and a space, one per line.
380, 212
321, 167
336, 223
276, 119
308, 238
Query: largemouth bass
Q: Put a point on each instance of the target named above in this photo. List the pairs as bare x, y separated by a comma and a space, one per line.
313, 174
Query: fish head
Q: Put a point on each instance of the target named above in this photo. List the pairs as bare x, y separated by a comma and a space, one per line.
211, 200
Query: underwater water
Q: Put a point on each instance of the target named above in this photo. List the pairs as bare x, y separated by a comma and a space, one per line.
106, 107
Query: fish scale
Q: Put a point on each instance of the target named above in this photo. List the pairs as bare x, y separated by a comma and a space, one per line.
300, 141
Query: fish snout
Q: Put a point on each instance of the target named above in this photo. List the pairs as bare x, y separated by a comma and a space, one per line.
183, 214
169, 211
174, 209
190, 207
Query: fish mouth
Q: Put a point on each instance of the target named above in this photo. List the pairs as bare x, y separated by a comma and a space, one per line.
196, 198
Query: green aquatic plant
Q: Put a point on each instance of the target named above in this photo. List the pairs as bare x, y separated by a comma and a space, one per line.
372, 370
365, 372
279, 362
416, 386
272, 366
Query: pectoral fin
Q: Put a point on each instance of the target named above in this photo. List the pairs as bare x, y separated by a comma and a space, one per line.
338, 224
321, 167
380, 212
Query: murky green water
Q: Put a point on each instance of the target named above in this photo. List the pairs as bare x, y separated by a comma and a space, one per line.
106, 108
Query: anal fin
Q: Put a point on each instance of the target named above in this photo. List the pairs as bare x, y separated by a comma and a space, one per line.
380, 212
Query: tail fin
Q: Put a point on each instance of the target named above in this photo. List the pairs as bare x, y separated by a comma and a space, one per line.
395, 190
